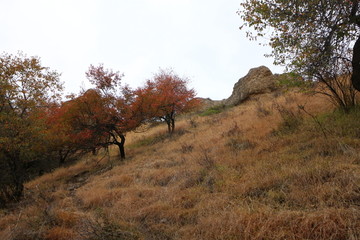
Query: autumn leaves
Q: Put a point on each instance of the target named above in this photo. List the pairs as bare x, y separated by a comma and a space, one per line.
37, 127
101, 116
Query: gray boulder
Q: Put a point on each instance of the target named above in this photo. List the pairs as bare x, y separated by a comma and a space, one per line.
258, 80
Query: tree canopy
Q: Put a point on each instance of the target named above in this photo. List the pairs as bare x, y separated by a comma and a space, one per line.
101, 116
164, 96
26, 88
310, 37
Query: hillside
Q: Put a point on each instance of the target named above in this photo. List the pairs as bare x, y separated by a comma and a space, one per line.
262, 170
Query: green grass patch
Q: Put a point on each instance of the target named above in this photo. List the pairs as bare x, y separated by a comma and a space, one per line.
342, 124
214, 110
292, 80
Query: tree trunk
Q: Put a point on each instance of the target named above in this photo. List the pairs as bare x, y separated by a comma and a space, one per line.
63, 156
94, 152
168, 122
355, 78
172, 125
117, 143
169, 126
17, 173
121, 147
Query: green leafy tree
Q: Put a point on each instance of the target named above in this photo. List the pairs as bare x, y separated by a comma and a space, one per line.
26, 87
320, 39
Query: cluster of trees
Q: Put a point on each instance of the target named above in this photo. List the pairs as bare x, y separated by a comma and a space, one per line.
38, 129
319, 39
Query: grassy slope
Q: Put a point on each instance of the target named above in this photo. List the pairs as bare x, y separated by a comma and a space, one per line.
262, 170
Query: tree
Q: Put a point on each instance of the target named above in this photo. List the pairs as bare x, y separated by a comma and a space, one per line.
64, 141
101, 116
26, 87
310, 37
164, 96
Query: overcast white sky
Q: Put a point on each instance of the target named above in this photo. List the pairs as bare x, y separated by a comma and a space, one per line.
199, 39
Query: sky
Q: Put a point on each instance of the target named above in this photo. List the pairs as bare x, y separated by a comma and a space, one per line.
198, 39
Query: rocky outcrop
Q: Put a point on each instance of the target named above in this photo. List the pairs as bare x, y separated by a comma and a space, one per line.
258, 80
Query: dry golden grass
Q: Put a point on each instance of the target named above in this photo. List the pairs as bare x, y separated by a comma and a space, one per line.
233, 175
60, 233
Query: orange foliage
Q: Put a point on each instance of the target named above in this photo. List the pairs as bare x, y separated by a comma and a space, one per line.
165, 96
98, 117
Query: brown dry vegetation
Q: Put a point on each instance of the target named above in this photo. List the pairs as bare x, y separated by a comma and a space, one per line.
261, 170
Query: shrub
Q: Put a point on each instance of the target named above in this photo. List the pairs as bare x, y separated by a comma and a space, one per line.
103, 228
292, 80
291, 120
238, 144
187, 148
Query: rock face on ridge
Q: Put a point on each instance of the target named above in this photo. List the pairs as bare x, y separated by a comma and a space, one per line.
258, 80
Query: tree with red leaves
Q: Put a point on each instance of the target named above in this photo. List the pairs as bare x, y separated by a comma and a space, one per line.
101, 116
165, 96
66, 139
